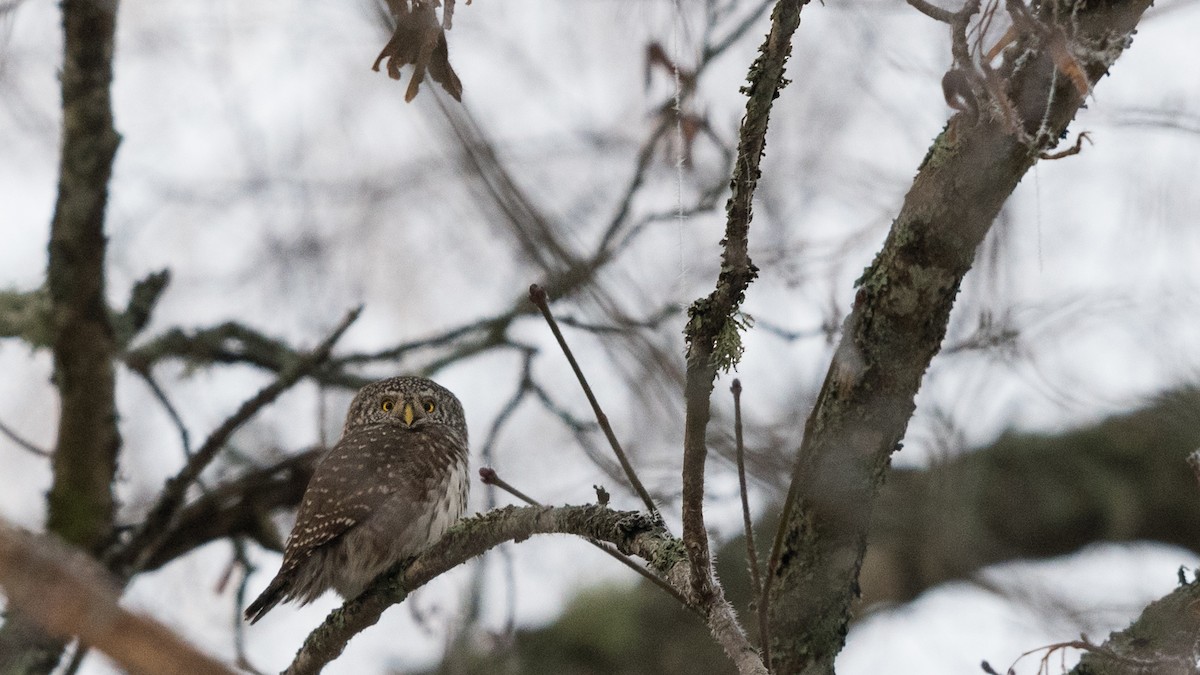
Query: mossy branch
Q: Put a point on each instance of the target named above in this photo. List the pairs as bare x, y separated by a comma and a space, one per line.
898, 322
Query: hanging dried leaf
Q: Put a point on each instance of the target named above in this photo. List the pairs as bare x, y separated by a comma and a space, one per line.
1066, 62
448, 13
419, 40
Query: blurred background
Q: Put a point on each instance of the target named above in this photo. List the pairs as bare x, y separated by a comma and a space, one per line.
282, 182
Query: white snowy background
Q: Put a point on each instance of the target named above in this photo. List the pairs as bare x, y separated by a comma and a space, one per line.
283, 182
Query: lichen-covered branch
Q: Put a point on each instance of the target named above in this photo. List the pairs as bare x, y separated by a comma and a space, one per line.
897, 324
26, 315
85, 457
713, 340
632, 533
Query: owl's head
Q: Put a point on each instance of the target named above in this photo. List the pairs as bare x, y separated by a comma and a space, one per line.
407, 402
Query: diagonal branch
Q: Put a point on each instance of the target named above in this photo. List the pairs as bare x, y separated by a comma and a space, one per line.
150, 534
537, 295
897, 324
63, 590
630, 532
1161, 640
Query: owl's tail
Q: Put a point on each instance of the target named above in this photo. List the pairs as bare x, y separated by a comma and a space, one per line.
275, 592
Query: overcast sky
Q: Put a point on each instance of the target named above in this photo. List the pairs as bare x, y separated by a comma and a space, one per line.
283, 182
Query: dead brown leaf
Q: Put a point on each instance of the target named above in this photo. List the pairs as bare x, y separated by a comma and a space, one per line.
419, 40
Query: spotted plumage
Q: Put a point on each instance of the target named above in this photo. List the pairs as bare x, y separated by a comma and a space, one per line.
392, 485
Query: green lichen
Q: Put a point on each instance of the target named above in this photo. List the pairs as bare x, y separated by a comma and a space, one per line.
728, 347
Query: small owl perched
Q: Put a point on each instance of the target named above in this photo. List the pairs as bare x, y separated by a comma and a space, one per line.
393, 484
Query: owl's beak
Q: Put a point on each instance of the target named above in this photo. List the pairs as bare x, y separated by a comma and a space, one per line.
410, 414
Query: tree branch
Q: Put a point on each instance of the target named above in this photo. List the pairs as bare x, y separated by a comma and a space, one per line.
64, 591
897, 324
490, 477
80, 502
630, 532
239, 508
142, 545
1123, 479
713, 323
85, 458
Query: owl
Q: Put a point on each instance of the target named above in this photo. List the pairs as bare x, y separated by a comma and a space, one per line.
392, 485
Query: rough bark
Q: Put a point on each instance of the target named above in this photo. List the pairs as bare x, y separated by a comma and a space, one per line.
897, 325
85, 457
82, 337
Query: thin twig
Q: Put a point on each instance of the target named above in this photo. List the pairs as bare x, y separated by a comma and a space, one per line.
751, 549
184, 437
22, 442
537, 294
142, 546
489, 477
932, 11
242, 562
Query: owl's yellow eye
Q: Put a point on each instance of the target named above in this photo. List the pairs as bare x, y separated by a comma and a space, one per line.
429, 407
387, 405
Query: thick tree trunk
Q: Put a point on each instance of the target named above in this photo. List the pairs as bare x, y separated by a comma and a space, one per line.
897, 325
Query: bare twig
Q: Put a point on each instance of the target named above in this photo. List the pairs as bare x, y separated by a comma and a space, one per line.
537, 295
932, 11
22, 442
141, 547
1073, 150
68, 594
489, 477
747, 523
184, 437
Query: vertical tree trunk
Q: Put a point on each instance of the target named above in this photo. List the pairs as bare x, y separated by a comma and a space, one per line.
85, 455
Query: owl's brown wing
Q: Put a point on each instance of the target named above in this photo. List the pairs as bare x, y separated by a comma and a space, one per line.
354, 480
360, 473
